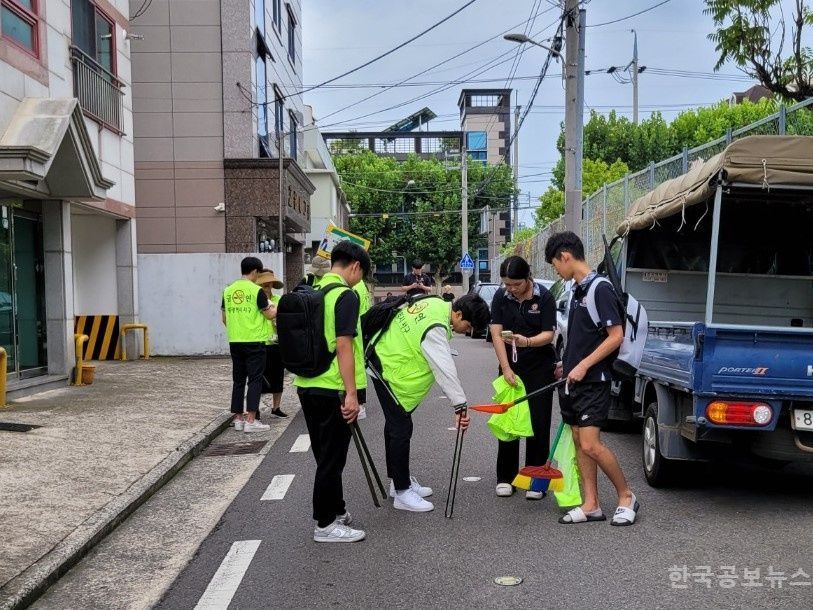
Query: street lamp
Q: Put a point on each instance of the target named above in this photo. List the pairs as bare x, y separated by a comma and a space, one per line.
522, 39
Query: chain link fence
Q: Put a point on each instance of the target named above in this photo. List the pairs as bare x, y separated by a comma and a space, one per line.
604, 210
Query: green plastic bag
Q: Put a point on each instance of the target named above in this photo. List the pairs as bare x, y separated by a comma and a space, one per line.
516, 422
565, 457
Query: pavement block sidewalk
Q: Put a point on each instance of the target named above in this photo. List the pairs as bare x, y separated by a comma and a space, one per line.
100, 451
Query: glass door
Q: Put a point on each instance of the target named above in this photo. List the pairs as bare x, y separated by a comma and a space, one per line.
7, 292
29, 293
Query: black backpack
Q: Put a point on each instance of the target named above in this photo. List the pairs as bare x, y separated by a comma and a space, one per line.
301, 330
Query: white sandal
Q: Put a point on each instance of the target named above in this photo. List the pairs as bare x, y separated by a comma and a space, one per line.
577, 515
624, 515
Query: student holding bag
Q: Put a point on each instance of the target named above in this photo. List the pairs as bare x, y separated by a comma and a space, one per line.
523, 319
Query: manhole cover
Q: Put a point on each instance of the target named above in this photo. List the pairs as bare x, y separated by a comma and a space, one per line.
9, 427
508, 581
235, 448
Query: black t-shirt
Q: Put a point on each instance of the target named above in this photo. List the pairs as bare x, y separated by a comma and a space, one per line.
528, 318
421, 278
583, 336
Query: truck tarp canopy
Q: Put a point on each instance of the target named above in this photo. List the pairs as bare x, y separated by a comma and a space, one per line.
769, 161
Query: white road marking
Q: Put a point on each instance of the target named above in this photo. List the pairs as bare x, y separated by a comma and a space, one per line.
278, 487
302, 443
471, 479
224, 583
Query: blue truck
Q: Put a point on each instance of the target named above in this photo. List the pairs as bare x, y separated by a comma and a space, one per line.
722, 258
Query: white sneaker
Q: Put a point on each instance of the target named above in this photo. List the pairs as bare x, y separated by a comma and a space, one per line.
534, 495
238, 424
505, 490
423, 492
255, 426
345, 519
410, 500
337, 532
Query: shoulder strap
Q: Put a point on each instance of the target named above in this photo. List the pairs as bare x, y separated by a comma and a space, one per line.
330, 287
591, 299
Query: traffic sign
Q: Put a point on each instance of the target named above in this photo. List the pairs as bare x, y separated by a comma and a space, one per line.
466, 262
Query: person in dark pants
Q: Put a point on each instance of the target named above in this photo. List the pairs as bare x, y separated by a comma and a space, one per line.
409, 357
274, 374
587, 365
330, 401
527, 311
245, 312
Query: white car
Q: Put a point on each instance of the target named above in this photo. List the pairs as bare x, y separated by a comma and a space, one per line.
562, 291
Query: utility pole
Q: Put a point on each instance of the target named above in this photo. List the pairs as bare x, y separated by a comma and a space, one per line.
464, 196
281, 227
513, 222
574, 113
635, 78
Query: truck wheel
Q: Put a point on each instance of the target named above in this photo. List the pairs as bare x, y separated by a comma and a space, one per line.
659, 471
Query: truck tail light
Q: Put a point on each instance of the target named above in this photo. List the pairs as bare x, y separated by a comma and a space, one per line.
735, 413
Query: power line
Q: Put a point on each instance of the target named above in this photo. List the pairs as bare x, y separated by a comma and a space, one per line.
646, 10
390, 52
141, 9
447, 60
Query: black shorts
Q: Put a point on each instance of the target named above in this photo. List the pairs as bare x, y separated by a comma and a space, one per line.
587, 405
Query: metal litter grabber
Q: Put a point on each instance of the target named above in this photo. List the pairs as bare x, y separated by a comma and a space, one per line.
458, 448
502, 407
364, 456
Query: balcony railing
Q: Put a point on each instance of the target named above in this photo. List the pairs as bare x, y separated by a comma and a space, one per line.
99, 91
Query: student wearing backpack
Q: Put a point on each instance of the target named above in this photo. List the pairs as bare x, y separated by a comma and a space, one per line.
587, 363
246, 312
330, 400
409, 355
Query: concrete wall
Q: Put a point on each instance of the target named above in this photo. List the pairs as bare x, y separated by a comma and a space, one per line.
494, 128
94, 264
180, 295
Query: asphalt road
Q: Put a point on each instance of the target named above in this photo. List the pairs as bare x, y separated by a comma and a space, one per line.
724, 515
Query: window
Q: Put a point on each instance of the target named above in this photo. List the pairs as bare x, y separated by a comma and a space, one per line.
291, 35
18, 23
262, 98
279, 111
94, 33
482, 259
277, 8
292, 136
259, 16
477, 146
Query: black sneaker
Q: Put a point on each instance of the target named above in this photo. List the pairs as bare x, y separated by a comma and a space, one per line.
279, 413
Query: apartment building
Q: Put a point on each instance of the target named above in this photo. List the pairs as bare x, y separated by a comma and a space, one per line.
485, 118
67, 234
217, 96
328, 201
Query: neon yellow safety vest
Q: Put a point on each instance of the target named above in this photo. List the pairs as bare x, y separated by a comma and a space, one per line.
245, 323
271, 325
404, 367
364, 297
332, 379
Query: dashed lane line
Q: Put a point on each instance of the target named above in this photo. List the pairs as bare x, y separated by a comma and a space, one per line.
278, 487
229, 575
301, 444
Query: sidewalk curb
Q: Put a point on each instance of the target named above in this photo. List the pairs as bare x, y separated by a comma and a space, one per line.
26, 587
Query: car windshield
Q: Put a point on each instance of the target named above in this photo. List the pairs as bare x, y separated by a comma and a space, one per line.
487, 293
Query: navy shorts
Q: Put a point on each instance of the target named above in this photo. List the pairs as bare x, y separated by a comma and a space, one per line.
587, 405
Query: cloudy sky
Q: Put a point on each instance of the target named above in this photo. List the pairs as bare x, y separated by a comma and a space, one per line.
339, 35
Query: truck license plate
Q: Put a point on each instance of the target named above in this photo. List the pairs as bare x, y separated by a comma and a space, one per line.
802, 419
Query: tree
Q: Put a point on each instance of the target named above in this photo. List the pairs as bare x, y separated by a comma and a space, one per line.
750, 37
595, 173
414, 206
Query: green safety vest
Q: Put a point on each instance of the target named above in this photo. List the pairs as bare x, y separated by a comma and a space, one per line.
245, 323
332, 379
271, 325
404, 367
